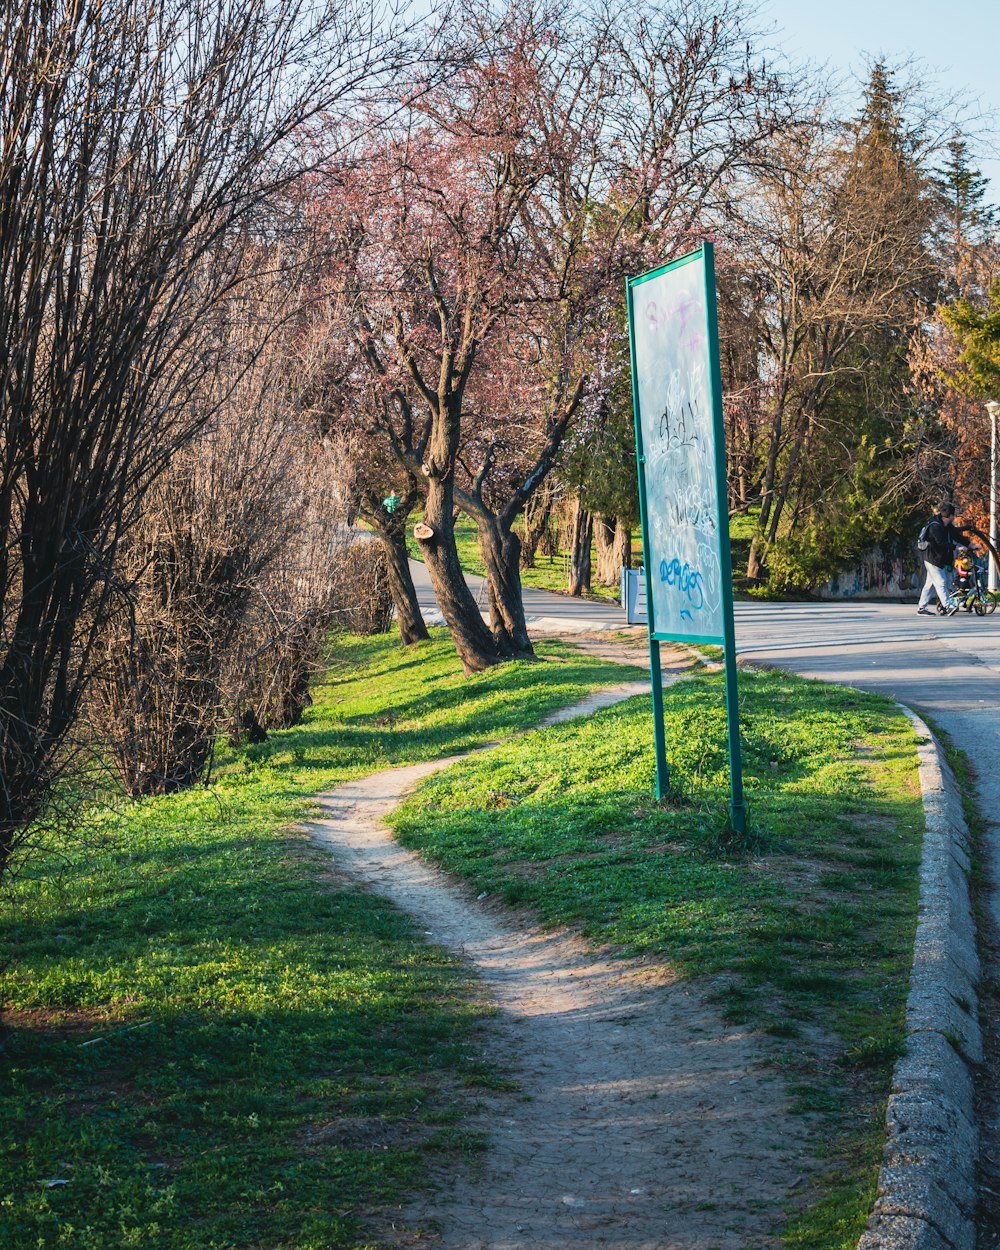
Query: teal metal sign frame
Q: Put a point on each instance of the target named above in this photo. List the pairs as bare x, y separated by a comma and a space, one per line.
681, 445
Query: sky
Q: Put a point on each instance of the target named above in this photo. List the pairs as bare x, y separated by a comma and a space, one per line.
957, 44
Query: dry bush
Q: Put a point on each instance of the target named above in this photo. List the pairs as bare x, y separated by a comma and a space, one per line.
294, 608
208, 531
140, 145
334, 579
194, 561
240, 569
363, 588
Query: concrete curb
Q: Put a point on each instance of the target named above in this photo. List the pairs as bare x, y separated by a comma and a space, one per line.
927, 1183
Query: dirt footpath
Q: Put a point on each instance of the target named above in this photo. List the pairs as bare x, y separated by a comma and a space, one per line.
644, 1122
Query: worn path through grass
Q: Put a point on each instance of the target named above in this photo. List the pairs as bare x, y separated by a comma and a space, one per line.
803, 930
642, 1118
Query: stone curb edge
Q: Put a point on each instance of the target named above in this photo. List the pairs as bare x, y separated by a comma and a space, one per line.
927, 1182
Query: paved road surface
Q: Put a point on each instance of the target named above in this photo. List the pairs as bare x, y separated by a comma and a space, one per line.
543, 609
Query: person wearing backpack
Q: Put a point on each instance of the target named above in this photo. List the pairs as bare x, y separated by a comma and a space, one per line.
936, 544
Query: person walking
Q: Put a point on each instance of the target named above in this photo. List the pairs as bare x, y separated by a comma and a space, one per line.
941, 534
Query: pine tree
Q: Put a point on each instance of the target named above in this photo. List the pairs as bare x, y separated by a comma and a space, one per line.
966, 221
977, 332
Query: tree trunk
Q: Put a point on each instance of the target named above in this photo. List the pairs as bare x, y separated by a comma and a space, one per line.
614, 549
579, 558
404, 595
756, 558
759, 545
781, 497
476, 646
391, 530
537, 511
501, 551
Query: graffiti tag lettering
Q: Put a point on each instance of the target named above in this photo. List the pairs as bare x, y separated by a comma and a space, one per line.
685, 580
693, 506
673, 428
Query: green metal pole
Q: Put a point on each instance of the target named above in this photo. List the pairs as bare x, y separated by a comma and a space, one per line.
656, 678
737, 806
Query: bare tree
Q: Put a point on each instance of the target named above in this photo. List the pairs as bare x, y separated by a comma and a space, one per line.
422, 251
353, 408
650, 114
208, 530
139, 140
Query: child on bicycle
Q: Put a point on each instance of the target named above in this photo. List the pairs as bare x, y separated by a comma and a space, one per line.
965, 570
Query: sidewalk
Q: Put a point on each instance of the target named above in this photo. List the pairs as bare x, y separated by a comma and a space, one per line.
544, 610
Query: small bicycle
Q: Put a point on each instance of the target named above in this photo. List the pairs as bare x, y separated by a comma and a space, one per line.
970, 591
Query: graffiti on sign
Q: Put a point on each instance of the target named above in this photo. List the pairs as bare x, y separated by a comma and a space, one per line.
675, 411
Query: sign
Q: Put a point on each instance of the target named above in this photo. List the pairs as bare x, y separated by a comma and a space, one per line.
675, 431
681, 449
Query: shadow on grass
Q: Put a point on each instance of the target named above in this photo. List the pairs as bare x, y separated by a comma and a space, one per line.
225, 1128
171, 1063
239, 1001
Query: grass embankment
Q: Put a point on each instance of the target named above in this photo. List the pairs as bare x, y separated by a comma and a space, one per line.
807, 924
214, 1043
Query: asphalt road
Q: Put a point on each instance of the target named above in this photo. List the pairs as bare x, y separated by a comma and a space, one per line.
542, 608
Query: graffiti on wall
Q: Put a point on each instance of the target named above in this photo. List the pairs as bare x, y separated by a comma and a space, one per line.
890, 570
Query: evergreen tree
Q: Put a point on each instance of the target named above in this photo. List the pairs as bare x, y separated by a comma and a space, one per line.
963, 190
966, 221
854, 279
977, 331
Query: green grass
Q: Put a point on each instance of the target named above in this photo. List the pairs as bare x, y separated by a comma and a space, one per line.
214, 1041
806, 924
742, 527
217, 1044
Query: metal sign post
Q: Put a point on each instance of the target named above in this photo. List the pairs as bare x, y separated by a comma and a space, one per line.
681, 448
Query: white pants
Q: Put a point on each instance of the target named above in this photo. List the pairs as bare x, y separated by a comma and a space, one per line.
937, 580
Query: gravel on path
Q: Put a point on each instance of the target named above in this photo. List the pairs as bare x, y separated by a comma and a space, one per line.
644, 1121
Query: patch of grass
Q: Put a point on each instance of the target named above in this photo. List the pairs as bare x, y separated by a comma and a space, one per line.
837, 1220
809, 938
214, 1042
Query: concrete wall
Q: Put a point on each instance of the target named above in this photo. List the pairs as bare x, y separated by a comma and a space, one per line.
889, 571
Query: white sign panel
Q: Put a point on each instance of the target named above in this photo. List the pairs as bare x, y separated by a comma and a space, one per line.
673, 398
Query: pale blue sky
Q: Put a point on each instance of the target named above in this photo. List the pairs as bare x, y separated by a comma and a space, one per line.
959, 39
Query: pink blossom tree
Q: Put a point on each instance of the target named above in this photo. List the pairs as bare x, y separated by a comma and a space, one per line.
480, 249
